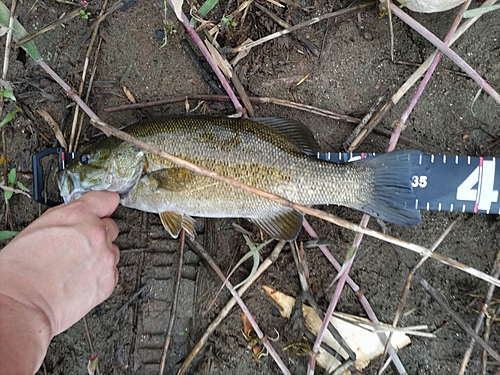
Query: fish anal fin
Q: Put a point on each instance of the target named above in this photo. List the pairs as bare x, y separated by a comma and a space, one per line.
188, 223
174, 222
282, 226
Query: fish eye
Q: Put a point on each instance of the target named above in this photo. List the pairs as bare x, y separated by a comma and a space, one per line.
85, 159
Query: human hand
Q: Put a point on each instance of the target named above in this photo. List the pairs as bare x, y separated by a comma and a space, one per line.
64, 263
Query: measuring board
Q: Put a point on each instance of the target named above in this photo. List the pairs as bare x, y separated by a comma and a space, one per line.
446, 183
440, 182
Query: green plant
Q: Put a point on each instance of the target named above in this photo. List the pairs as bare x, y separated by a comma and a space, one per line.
168, 29
11, 177
229, 21
168, 26
6, 234
9, 117
7, 91
85, 15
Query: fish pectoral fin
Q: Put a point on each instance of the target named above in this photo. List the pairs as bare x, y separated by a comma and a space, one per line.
174, 222
282, 226
172, 179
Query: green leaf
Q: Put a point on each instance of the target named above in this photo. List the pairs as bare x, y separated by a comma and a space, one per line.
479, 11
19, 32
7, 194
4, 30
12, 176
21, 186
6, 234
7, 89
9, 95
207, 7
9, 117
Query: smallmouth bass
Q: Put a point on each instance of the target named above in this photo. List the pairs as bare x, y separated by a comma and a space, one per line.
274, 154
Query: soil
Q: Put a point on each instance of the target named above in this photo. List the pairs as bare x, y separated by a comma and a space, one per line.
352, 71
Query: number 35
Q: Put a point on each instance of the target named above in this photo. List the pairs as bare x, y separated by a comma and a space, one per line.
419, 181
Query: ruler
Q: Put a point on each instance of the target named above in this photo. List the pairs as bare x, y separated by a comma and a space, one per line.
446, 183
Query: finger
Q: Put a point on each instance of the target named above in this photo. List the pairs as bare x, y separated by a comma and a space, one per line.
117, 275
102, 203
116, 251
111, 228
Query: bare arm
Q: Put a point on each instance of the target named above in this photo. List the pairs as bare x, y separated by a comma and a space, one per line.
52, 274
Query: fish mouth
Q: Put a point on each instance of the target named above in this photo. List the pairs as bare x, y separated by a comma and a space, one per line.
70, 186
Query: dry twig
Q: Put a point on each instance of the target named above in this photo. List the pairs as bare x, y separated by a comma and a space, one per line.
73, 140
8, 45
406, 288
173, 308
412, 80
50, 26
312, 21
362, 299
482, 313
229, 305
265, 341
447, 51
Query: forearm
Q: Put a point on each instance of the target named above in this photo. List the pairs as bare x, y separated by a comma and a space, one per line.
24, 337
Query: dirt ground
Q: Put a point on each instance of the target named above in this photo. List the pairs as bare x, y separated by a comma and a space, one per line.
353, 70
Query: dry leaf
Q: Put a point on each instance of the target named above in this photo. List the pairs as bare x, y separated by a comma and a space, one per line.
177, 4
241, 54
364, 343
57, 131
129, 95
221, 62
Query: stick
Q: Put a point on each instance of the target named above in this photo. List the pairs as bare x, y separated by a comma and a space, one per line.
406, 288
51, 26
446, 50
401, 124
208, 57
312, 21
412, 80
82, 83
201, 251
173, 308
456, 317
229, 305
480, 317
8, 46
360, 296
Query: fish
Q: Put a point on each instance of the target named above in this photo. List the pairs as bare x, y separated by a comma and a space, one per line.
274, 154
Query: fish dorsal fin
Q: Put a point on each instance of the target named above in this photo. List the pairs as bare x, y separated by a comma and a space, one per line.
173, 179
174, 222
282, 226
294, 130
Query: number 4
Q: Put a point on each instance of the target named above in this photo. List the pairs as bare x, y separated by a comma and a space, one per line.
485, 179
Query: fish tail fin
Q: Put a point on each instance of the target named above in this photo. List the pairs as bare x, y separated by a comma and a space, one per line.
393, 199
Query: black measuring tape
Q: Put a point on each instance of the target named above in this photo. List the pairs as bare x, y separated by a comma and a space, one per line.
446, 183
440, 182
